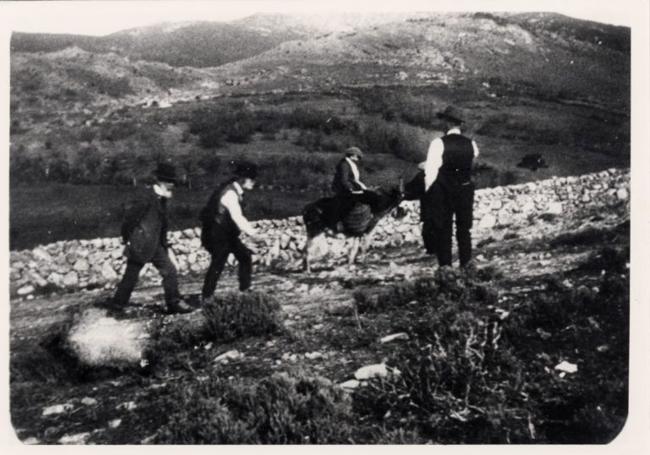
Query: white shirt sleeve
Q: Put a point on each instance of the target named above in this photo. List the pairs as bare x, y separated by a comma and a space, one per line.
433, 163
230, 201
355, 174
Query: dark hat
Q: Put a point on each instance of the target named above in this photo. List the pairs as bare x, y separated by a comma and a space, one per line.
246, 170
354, 151
451, 113
166, 172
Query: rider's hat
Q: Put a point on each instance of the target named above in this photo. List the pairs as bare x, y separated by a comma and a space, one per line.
354, 151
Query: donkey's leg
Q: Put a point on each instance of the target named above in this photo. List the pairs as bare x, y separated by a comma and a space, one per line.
306, 263
364, 244
354, 250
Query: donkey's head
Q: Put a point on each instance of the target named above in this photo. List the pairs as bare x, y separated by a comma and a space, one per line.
390, 198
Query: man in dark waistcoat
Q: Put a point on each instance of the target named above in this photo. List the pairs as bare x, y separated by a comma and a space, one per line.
449, 191
347, 185
144, 231
222, 222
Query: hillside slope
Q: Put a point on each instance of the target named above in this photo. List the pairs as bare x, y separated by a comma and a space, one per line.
197, 44
541, 53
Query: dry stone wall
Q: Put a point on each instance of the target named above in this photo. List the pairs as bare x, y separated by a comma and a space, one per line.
75, 264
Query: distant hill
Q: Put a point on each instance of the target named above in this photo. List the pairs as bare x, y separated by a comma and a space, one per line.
197, 44
544, 54
540, 53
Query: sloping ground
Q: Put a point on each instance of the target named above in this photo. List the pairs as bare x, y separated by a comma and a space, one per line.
543, 54
330, 335
197, 44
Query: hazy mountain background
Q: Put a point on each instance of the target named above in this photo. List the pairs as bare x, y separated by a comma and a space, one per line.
291, 92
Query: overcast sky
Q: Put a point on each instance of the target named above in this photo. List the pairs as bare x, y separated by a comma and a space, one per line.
100, 18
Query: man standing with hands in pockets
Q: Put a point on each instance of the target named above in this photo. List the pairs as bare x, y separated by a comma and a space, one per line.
449, 191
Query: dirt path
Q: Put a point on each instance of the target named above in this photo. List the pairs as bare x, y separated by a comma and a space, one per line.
329, 284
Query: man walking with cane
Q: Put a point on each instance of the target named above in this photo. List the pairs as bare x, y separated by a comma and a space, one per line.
144, 231
449, 191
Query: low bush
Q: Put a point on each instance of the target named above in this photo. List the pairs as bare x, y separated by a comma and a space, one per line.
589, 327
238, 315
471, 374
403, 141
400, 106
118, 130
115, 87
313, 171
510, 127
455, 378
279, 409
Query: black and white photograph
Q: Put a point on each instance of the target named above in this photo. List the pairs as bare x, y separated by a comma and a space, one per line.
280, 223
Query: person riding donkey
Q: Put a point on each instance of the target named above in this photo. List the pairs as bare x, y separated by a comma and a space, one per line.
449, 191
347, 185
144, 231
222, 222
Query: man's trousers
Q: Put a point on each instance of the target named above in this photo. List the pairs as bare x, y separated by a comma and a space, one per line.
446, 199
222, 244
167, 270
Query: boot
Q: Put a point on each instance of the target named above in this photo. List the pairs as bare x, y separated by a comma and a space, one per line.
113, 309
179, 306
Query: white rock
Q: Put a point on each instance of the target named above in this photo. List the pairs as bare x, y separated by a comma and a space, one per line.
41, 255
229, 355
57, 409
71, 279
88, 401
108, 272
378, 370
289, 357
622, 194
81, 265
314, 355
31, 441
487, 222
115, 423
55, 278
567, 367
126, 406
554, 208
350, 385
79, 438
394, 337
37, 279
27, 289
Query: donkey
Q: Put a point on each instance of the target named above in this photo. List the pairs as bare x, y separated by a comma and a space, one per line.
324, 214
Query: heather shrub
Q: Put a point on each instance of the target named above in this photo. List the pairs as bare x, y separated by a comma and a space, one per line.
475, 373
238, 315
279, 409
400, 106
403, 141
216, 124
454, 375
115, 87
118, 130
448, 283
589, 327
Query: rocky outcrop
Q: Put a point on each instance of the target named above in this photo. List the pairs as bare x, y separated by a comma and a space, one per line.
69, 265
